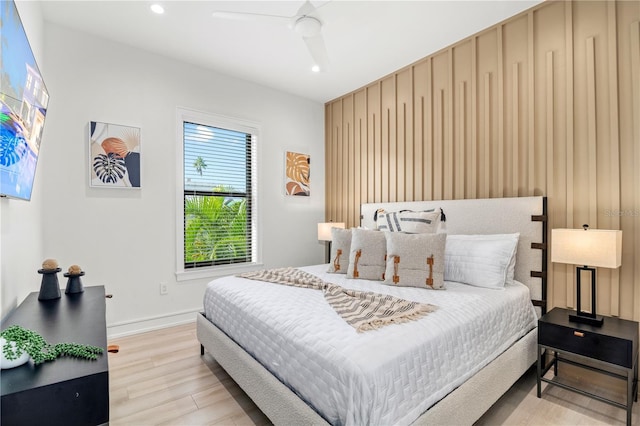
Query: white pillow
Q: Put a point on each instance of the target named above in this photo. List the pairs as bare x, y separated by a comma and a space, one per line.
481, 260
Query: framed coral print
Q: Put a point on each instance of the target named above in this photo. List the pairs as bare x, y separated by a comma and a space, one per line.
297, 170
114, 156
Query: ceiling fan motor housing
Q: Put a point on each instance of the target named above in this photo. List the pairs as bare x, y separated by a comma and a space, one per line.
307, 26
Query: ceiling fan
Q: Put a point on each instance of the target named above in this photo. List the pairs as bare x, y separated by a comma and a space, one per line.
305, 23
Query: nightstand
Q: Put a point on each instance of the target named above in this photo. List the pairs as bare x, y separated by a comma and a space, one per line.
612, 350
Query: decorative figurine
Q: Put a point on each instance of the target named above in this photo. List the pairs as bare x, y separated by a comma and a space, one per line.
74, 284
49, 288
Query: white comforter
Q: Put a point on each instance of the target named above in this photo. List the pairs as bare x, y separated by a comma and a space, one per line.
381, 377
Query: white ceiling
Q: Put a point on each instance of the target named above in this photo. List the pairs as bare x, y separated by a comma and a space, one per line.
365, 40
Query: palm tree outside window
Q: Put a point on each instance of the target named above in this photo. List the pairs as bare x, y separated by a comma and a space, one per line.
199, 165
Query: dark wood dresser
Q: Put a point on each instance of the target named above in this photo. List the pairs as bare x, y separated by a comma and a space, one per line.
66, 391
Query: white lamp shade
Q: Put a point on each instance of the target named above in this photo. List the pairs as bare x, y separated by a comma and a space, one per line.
324, 230
593, 247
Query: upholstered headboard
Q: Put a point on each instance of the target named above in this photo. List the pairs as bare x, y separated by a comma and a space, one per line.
526, 215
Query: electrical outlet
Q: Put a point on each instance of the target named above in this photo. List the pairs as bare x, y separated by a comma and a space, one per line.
164, 288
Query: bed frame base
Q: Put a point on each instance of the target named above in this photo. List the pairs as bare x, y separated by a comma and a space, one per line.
279, 403
283, 407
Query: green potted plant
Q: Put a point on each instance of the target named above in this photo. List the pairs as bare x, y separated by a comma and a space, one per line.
19, 344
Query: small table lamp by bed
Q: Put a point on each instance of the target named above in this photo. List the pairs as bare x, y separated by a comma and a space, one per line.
324, 234
591, 248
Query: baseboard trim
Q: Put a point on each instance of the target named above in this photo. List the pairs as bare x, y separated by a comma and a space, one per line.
142, 325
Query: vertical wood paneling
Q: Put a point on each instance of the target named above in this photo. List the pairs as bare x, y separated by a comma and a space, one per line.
401, 147
550, 130
420, 165
515, 128
487, 67
592, 158
515, 36
592, 154
404, 95
374, 159
448, 140
388, 156
329, 205
338, 194
487, 136
549, 121
499, 189
635, 71
614, 147
348, 162
531, 139
473, 178
429, 158
460, 117
547, 102
420, 158
440, 80
438, 146
389, 146
569, 274
462, 131
360, 128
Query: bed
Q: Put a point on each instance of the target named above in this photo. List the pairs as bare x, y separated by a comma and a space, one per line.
302, 365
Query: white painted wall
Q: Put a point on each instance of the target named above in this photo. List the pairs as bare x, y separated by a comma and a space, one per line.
125, 239
21, 246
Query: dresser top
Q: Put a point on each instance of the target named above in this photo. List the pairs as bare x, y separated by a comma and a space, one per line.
74, 318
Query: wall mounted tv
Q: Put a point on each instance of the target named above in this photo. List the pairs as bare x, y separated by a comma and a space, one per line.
23, 106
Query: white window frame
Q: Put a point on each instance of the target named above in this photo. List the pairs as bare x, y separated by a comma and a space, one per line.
240, 125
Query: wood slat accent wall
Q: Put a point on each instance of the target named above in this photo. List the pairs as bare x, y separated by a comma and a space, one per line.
544, 103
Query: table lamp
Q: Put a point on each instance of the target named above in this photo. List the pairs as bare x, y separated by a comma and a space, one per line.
324, 234
591, 248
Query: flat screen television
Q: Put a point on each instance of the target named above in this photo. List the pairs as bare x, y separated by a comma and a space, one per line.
23, 106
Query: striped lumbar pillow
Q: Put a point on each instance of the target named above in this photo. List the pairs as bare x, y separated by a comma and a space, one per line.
424, 222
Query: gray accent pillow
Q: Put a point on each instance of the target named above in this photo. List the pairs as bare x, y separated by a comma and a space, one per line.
415, 260
367, 256
340, 250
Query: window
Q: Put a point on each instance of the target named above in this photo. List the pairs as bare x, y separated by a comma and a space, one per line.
217, 197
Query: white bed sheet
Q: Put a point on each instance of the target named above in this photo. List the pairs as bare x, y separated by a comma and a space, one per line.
383, 377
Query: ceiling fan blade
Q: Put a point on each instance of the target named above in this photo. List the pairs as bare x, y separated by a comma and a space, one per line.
306, 9
246, 16
318, 51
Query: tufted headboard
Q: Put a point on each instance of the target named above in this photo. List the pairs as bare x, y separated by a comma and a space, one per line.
526, 215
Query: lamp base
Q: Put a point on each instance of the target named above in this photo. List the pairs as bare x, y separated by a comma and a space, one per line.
595, 321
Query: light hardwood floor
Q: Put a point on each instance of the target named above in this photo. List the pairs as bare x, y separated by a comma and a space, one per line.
159, 378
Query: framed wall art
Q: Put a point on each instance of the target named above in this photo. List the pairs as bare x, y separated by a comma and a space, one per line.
114, 153
297, 173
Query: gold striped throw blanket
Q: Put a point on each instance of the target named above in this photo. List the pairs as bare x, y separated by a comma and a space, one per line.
363, 310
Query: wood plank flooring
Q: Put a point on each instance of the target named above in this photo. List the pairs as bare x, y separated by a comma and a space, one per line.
159, 378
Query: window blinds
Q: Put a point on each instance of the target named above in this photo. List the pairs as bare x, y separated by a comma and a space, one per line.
217, 196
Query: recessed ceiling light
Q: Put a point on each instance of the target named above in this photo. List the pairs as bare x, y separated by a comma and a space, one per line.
157, 9
315, 68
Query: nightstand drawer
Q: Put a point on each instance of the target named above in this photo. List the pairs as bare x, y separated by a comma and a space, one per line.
591, 344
